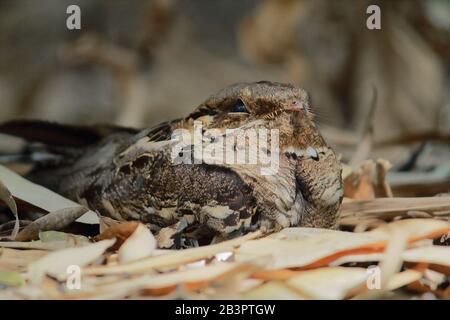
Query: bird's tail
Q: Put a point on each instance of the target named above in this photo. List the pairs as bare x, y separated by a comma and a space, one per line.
47, 143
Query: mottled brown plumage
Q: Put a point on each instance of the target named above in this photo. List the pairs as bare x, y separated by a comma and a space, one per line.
131, 176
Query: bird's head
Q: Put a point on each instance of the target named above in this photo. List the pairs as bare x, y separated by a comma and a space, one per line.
306, 187
250, 105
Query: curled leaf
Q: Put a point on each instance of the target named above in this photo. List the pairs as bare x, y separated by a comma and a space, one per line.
120, 231
139, 245
6, 196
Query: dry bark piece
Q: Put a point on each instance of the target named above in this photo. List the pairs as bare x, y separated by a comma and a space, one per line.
56, 220
385, 208
7, 228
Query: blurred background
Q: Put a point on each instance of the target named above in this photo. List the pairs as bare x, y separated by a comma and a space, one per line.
377, 93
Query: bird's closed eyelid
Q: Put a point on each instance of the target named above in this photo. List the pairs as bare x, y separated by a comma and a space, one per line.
237, 107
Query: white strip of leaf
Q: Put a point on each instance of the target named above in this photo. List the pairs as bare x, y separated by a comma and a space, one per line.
39, 196
56, 263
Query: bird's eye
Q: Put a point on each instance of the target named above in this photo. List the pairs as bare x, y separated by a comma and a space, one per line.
239, 106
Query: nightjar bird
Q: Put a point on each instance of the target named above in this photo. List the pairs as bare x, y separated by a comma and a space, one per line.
130, 174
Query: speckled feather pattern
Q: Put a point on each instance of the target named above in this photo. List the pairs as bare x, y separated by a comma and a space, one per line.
132, 177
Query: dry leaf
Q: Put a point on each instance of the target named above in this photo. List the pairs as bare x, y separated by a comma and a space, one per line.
107, 222
39, 245
9, 278
18, 260
432, 254
165, 236
328, 283
5, 195
120, 231
398, 62
364, 147
55, 264
49, 240
392, 207
391, 262
274, 290
258, 33
39, 196
139, 245
438, 255
368, 181
322, 248
193, 278
177, 258
73, 240
402, 279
